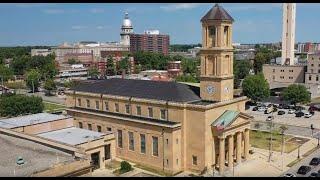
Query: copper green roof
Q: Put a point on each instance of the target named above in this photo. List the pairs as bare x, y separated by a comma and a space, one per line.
226, 118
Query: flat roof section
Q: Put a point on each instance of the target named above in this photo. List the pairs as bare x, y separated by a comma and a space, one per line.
73, 135
37, 157
32, 119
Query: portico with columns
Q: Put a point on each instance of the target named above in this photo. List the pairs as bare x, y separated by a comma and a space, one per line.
231, 135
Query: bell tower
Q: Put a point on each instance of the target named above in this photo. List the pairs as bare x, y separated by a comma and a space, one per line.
216, 79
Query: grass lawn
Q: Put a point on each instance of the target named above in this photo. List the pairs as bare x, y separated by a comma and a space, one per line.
315, 100
113, 164
259, 139
51, 107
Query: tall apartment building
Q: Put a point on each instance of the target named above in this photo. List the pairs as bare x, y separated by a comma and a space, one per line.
151, 41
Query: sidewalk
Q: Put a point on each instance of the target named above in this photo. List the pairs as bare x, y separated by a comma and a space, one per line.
258, 165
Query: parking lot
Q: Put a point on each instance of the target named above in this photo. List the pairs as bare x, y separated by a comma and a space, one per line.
305, 162
288, 119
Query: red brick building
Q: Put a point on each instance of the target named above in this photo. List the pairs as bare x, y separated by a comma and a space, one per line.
150, 42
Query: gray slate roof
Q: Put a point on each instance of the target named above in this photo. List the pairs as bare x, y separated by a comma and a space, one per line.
157, 90
217, 13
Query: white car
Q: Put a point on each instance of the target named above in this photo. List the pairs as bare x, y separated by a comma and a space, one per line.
261, 108
289, 175
291, 111
307, 115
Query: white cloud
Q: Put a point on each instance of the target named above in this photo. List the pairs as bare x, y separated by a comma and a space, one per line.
97, 10
102, 27
180, 6
53, 11
78, 27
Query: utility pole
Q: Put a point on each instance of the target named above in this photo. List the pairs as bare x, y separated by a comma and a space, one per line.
270, 145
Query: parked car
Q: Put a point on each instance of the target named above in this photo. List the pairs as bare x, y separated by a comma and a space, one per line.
291, 111
251, 103
307, 115
275, 109
289, 175
314, 174
299, 114
269, 118
281, 112
286, 106
255, 108
299, 108
311, 112
270, 105
315, 161
304, 170
269, 110
261, 108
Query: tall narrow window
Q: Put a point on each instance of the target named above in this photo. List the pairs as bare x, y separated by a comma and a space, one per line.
116, 107
80, 124
127, 108
79, 102
99, 128
88, 103
163, 114
143, 143
226, 35
150, 110
106, 105
97, 105
90, 127
194, 160
120, 145
155, 146
131, 141
139, 110
212, 36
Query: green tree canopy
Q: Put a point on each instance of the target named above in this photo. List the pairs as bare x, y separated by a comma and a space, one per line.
93, 72
33, 79
124, 64
50, 85
14, 105
111, 68
296, 94
5, 73
241, 69
256, 87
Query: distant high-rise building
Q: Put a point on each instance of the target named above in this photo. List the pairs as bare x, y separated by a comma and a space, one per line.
151, 41
288, 33
126, 30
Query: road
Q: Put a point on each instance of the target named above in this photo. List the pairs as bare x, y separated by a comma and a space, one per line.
305, 162
292, 130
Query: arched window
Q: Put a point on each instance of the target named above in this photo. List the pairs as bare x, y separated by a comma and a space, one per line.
212, 36
226, 35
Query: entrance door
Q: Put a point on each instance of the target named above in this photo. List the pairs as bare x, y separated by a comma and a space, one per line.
95, 160
107, 154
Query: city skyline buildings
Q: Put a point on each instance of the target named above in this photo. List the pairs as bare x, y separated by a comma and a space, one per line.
51, 24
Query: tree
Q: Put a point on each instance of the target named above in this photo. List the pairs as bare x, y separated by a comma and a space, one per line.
256, 87
19, 64
111, 69
50, 85
125, 167
33, 79
296, 94
124, 64
259, 61
93, 72
187, 78
14, 105
72, 61
5, 73
241, 69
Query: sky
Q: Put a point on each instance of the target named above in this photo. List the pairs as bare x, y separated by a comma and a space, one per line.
54, 23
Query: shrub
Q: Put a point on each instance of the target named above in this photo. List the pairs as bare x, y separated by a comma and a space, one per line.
125, 167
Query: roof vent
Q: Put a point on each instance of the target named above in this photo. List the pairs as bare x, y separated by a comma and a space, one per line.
20, 161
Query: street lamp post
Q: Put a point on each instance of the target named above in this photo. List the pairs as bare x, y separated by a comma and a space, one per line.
299, 152
270, 142
233, 156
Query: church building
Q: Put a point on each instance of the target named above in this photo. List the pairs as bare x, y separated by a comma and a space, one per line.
171, 126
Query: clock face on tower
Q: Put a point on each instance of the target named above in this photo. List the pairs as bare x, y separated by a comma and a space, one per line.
210, 89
